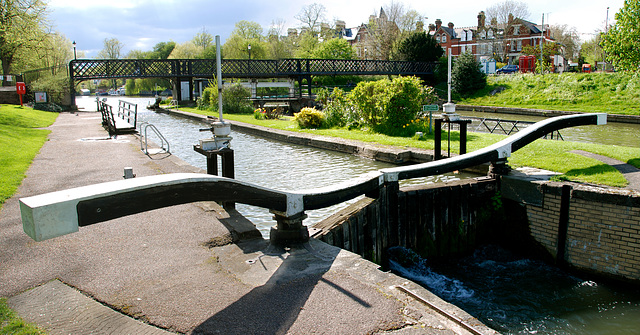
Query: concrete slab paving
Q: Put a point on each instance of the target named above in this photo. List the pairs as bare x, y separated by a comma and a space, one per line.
190, 268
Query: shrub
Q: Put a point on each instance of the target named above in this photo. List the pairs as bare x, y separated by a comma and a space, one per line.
466, 77
388, 106
234, 99
309, 117
338, 111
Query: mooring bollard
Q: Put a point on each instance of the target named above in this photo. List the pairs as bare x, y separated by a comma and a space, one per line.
288, 230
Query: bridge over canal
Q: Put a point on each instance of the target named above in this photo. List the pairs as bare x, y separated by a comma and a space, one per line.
182, 72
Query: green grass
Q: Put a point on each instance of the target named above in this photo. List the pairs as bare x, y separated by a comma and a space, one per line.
10, 323
19, 143
614, 93
544, 154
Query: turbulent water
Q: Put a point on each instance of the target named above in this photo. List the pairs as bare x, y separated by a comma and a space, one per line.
516, 295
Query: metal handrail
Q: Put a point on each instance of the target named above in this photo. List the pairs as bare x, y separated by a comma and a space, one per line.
163, 140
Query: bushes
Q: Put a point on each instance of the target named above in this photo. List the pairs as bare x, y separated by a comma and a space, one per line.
387, 106
234, 99
309, 118
466, 77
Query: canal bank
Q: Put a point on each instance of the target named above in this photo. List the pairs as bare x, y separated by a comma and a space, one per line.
542, 112
176, 268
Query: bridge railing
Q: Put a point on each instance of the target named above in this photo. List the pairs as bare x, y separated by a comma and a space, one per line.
54, 214
82, 69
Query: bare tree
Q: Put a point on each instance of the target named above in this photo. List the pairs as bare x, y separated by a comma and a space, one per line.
393, 23
312, 16
501, 13
568, 38
112, 49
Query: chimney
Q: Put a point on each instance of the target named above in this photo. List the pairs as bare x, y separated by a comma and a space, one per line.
438, 24
510, 18
450, 25
481, 19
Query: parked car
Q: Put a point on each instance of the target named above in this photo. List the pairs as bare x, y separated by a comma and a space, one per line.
508, 69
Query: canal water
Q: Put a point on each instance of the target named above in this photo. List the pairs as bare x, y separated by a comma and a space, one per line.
511, 294
613, 133
276, 165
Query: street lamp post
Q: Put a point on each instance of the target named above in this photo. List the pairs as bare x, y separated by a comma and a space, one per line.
74, 50
249, 48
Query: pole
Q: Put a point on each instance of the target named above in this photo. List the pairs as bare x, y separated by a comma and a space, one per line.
449, 79
541, 42
219, 76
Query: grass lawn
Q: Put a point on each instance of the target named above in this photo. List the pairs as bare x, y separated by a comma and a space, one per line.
544, 154
614, 93
20, 141
10, 323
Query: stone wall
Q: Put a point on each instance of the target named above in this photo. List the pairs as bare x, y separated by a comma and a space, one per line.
8, 95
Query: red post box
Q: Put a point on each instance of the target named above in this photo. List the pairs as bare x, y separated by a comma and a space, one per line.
21, 89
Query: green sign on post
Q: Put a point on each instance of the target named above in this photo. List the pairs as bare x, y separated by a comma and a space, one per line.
430, 108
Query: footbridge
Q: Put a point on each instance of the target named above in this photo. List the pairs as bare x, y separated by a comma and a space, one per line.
183, 71
54, 214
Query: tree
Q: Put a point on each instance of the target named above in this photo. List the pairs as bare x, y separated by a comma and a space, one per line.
162, 50
420, 47
22, 26
466, 76
548, 51
112, 49
312, 16
277, 47
622, 41
203, 39
591, 50
568, 37
186, 50
244, 34
502, 13
393, 23
335, 48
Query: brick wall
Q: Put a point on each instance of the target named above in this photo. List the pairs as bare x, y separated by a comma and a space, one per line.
602, 233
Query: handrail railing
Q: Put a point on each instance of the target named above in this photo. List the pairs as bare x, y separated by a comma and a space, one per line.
143, 134
128, 111
54, 214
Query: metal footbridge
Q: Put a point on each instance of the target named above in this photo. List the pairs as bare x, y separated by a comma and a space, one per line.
185, 70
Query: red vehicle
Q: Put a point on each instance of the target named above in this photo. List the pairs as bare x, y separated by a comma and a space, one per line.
586, 68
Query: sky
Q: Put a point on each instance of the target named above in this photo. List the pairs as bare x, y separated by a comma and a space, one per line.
141, 24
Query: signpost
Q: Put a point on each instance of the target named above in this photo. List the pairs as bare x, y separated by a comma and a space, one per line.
430, 109
21, 89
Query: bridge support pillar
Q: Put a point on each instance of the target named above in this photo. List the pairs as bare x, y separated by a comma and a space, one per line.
499, 168
289, 230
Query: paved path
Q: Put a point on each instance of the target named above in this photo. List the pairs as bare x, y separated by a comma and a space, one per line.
176, 268
630, 172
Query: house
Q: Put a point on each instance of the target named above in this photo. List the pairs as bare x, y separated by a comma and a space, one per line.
502, 42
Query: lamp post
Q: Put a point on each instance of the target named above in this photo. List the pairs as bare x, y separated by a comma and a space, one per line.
74, 50
249, 48
365, 53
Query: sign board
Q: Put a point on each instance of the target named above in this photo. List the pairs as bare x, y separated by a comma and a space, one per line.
430, 108
41, 97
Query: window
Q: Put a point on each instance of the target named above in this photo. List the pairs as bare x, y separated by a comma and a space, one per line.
519, 45
444, 38
438, 38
